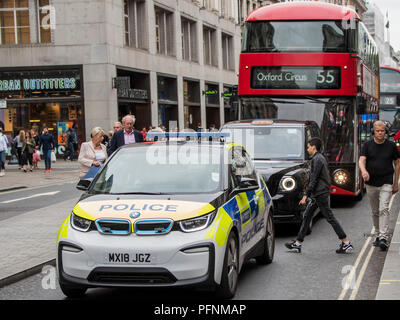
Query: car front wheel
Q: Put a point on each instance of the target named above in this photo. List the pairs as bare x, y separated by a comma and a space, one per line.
230, 272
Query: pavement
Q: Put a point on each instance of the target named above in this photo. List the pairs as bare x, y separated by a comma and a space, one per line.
28, 241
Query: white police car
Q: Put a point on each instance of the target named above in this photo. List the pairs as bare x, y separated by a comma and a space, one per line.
167, 214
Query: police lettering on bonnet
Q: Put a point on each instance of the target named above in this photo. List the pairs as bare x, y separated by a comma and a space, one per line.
186, 220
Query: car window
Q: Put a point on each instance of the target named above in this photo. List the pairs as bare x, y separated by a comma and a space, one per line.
159, 169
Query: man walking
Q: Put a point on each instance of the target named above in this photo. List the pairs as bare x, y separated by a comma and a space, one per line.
376, 163
126, 136
46, 142
317, 195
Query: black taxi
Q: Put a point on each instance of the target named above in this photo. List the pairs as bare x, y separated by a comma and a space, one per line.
279, 151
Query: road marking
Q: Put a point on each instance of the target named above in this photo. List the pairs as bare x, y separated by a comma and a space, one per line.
364, 266
350, 278
32, 196
361, 275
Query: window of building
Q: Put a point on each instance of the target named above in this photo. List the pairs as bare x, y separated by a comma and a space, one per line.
164, 31
14, 22
135, 23
189, 40
210, 47
44, 15
227, 52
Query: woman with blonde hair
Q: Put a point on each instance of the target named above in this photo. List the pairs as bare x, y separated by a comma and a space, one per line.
92, 153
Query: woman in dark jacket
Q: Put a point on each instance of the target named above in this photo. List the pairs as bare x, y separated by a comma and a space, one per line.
28, 148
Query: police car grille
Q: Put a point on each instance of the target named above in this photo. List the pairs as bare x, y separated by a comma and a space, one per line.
118, 276
153, 227
113, 226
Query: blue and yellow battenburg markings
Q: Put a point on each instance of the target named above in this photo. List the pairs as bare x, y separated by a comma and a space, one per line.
239, 211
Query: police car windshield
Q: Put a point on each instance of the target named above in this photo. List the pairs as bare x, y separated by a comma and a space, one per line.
161, 169
269, 143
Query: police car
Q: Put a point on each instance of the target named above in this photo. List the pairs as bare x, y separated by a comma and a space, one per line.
167, 214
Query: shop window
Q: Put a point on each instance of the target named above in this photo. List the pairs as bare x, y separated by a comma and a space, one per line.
135, 23
227, 52
189, 40
164, 32
210, 48
14, 22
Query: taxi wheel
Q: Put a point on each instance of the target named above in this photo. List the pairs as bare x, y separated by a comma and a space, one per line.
269, 243
230, 271
72, 292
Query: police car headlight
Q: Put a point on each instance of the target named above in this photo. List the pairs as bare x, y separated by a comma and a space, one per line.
197, 224
287, 184
79, 223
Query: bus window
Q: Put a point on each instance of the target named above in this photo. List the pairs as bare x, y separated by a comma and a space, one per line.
295, 36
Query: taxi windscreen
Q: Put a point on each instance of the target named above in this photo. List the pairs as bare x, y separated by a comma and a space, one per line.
269, 143
161, 169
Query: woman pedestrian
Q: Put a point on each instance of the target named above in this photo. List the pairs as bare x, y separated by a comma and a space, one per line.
92, 153
28, 148
18, 141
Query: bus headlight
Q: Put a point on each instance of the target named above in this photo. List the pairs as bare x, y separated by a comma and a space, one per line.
287, 184
340, 177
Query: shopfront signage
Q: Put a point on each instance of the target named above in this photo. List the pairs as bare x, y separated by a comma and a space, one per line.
210, 92
3, 104
295, 77
37, 84
132, 93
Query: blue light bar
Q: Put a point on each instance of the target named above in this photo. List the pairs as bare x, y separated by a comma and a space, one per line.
216, 135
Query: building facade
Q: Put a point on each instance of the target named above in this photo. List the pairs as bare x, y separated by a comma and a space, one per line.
89, 63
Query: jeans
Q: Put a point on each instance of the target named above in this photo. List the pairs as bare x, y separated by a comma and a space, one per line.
47, 158
70, 152
2, 159
379, 198
323, 203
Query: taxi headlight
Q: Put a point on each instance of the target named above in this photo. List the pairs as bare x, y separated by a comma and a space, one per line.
79, 223
341, 177
197, 224
287, 184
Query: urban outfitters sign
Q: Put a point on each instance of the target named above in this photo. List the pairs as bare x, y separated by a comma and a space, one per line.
295, 77
37, 84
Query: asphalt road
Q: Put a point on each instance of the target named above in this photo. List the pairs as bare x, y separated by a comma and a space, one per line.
17, 202
318, 273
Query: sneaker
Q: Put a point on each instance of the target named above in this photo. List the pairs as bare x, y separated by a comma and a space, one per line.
2, 174
293, 246
345, 248
376, 242
383, 244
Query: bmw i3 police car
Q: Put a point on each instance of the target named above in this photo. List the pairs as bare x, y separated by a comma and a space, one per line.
167, 214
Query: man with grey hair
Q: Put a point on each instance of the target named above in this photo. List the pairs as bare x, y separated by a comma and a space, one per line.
127, 135
378, 161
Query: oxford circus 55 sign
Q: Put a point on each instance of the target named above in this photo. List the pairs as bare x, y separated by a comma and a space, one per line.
287, 77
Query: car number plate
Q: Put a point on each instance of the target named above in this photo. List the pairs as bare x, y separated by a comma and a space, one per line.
114, 257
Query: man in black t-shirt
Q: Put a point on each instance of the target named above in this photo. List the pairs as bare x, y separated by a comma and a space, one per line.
376, 164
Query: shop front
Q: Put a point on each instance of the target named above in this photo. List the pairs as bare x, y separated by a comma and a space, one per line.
212, 105
34, 97
167, 102
133, 91
191, 94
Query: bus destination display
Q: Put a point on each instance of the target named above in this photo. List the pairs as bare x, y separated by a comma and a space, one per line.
288, 77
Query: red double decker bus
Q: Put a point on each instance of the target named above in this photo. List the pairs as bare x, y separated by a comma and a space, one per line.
313, 61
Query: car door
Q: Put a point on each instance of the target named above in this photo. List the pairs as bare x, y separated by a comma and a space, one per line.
247, 201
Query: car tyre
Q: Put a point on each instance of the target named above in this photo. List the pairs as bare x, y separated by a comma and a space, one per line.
269, 243
72, 292
230, 271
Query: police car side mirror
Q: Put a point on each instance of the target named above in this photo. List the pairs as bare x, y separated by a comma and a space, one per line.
84, 184
245, 185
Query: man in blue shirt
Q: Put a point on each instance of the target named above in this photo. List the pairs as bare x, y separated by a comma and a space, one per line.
46, 142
